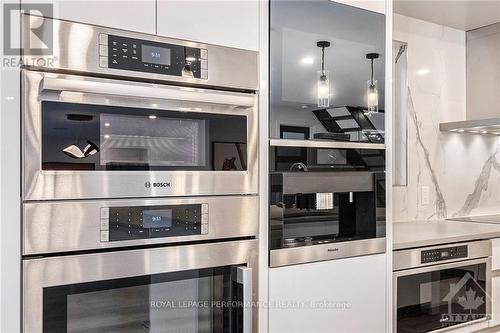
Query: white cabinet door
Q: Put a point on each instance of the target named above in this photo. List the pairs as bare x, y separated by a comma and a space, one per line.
495, 301
373, 5
345, 295
229, 23
495, 254
134, 15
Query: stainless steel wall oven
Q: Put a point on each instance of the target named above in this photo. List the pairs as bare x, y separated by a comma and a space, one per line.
187, 126
139, 184
442, 287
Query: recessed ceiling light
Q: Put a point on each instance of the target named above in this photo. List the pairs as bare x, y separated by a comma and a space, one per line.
107, 124
423, 71
152, 116
307, 61
304, 106
107, 136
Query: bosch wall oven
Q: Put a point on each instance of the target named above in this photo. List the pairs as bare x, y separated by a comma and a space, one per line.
139, 185
133, 124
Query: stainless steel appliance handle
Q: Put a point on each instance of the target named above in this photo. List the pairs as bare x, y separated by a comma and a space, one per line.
244, 277
145, 90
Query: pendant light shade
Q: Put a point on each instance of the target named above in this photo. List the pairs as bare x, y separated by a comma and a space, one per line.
323, 85
371, 87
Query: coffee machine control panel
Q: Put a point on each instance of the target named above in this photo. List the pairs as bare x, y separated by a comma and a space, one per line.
143, 222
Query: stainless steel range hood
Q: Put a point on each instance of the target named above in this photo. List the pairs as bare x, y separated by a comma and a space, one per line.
483, 83
489, 126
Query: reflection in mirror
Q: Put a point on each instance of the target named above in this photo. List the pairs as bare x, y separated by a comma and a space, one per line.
300, 59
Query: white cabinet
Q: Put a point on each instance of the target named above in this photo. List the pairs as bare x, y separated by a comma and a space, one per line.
232, 23
495, 254
373, 5
344, 295
134, 15
495, 283
229, 23
495, 301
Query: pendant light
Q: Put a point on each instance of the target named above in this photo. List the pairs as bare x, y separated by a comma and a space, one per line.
371, 87
323, 81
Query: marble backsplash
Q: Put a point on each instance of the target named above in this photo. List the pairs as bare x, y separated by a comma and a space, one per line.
462, 171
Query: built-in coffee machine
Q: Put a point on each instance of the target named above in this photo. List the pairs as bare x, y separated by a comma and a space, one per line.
325, 203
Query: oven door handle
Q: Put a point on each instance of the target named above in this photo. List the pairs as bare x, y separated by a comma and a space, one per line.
244, 277
145, 90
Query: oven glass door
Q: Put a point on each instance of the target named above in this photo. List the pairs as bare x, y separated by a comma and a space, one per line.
441, 297
203, 300
102, 137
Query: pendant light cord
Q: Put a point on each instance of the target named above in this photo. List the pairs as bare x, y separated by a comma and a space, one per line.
371, 82
323, 60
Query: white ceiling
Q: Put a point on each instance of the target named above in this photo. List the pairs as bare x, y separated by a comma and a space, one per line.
459, 14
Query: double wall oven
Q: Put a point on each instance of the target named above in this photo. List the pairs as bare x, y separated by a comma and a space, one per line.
139, 184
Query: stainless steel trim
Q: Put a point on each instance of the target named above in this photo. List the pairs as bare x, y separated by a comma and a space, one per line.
327, 182
405, 259
58, 271
426, 269
76, 49
244, 277
324, 144
75, 225
54, 185
305, 254
151, 91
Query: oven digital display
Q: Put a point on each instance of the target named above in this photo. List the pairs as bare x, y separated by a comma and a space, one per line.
157, 218
156, 55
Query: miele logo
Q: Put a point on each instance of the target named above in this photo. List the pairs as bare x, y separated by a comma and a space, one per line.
156, 184
335, 249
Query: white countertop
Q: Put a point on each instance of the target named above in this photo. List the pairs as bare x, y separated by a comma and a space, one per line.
428, 233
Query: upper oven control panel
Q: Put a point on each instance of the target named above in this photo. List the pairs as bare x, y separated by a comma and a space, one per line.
144, 222
434, 255
139, 55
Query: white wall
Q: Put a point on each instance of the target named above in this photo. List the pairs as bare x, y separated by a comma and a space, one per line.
462, 171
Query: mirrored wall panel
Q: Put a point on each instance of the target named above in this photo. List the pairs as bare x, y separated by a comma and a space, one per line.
327, 72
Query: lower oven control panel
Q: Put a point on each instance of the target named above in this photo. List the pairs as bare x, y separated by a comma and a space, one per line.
433, 255
143, 222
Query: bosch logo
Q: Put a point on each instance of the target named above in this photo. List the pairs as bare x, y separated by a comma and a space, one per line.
157, 184
335, 249
164, 184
